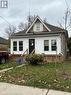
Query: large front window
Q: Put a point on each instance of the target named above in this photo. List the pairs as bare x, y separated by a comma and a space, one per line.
20, 45
53, 45
15, 46
46, 45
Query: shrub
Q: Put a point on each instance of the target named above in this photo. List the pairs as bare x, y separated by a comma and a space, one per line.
34, 59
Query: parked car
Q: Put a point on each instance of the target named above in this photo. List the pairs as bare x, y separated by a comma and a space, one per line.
4, 56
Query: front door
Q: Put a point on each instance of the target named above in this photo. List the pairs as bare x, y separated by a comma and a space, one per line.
31, 45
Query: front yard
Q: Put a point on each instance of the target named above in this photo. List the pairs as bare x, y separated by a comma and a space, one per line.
8, 65
51, 75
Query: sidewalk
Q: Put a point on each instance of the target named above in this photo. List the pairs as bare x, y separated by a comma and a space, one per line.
10, 89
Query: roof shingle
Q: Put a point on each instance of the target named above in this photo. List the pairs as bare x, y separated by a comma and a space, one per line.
3, 41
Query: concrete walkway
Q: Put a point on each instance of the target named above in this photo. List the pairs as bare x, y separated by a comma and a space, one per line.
10, 89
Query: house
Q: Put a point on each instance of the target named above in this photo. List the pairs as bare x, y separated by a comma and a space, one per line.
42, 38
3, 44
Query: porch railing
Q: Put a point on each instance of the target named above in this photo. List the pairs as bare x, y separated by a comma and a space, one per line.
33, 51
26, 51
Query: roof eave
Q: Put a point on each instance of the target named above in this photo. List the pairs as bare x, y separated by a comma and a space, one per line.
36, 35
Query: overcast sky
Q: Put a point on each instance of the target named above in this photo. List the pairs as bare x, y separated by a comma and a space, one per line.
18, 10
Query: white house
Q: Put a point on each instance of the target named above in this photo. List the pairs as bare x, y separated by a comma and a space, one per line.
42, 38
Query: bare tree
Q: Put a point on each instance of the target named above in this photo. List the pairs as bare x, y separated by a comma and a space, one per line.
67, 26
30, 19
45, 20
22, 26
66, 19
10, 30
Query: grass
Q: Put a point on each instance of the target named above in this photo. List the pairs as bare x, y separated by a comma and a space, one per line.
42, 76
8, 64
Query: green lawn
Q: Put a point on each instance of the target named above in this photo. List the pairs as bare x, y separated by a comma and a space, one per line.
51, 75
8, 65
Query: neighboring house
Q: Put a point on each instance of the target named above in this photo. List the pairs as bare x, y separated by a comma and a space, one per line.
3, 44
41, 37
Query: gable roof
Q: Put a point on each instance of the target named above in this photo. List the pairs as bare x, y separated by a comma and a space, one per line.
38, 18
52, 29
3, 41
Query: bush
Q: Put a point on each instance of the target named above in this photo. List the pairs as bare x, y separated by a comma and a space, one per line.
34, 59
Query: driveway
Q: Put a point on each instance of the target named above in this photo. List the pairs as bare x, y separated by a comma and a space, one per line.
10, 89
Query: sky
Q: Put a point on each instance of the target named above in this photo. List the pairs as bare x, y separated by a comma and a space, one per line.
18, 10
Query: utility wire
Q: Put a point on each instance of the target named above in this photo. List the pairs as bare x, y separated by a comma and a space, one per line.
66, 4
7, 22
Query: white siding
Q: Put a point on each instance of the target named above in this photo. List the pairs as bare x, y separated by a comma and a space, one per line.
39, 45
25, 46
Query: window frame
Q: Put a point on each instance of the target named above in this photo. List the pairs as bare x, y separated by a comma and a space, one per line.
54, 46
14, 46
37, 27
46, 47
21, 46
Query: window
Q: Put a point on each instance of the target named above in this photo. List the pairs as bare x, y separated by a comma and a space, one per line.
53, 45
20, 45
46, 45
15, 46
37, 27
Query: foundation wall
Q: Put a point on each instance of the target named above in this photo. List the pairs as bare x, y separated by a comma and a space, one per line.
47, 58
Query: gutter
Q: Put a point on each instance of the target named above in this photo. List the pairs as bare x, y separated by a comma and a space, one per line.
37, 35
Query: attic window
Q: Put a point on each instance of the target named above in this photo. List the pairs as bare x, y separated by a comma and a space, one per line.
38, 27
